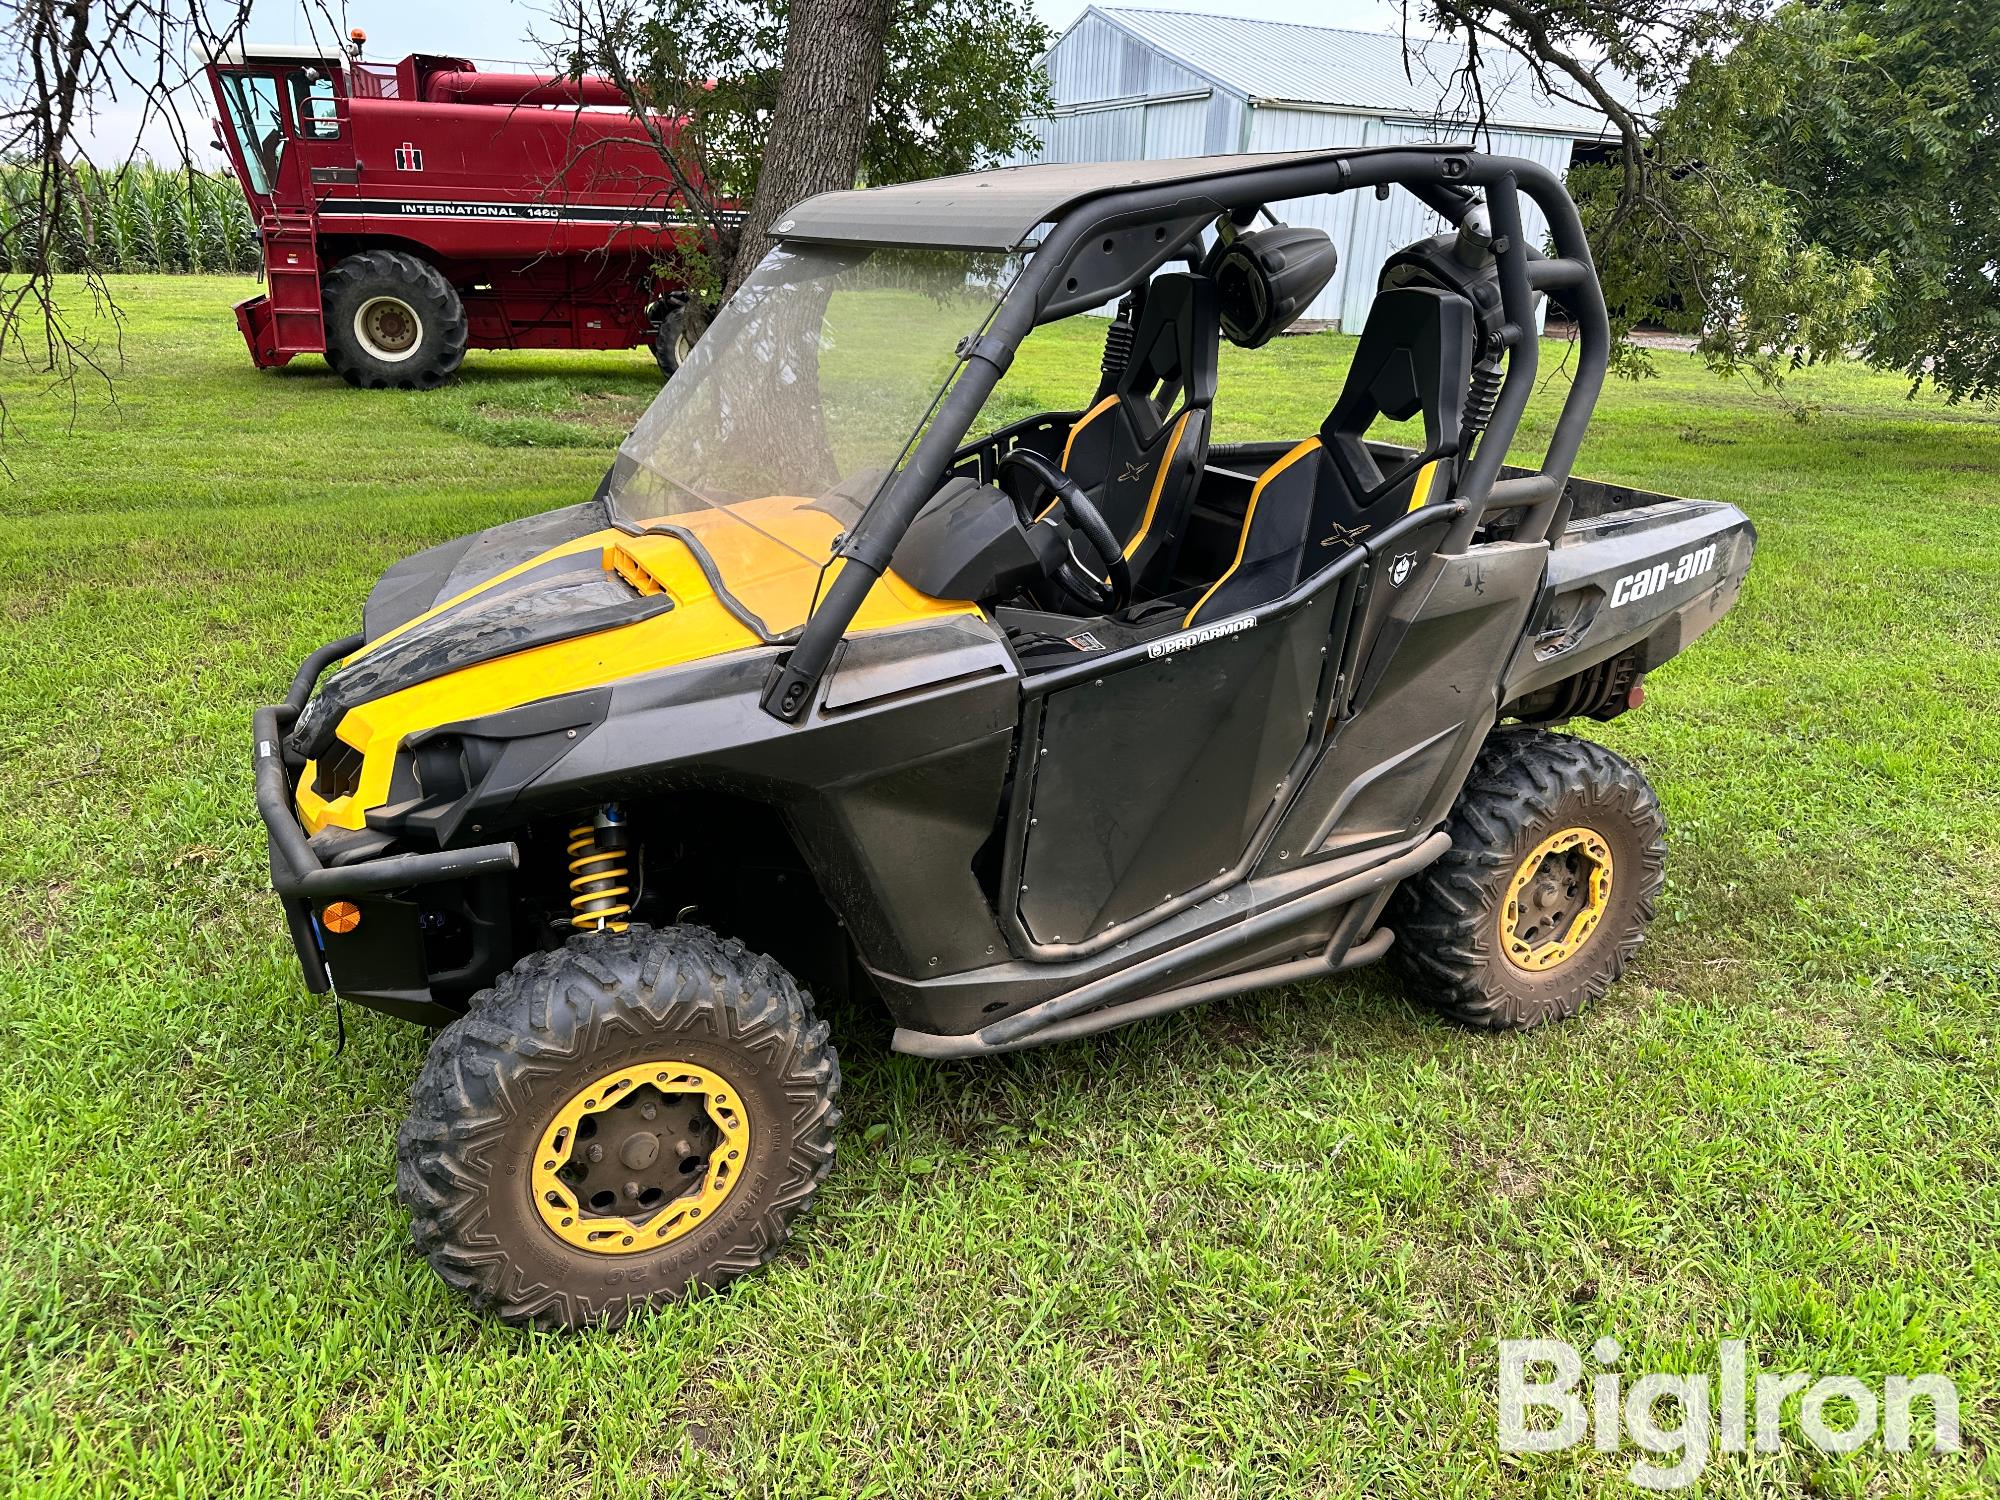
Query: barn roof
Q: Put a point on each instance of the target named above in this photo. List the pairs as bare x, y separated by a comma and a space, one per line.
1279, 62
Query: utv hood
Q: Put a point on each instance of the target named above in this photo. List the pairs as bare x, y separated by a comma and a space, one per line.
558, 604
562, 597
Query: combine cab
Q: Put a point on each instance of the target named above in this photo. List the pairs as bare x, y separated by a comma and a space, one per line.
410, 211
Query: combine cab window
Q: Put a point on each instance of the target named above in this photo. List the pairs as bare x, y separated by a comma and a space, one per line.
313, 107
259, 127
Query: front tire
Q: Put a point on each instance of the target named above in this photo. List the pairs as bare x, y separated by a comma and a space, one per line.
1558, 852
615, 1124
392, 321
673, 340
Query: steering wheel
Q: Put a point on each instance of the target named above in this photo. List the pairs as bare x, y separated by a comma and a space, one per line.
1073, 576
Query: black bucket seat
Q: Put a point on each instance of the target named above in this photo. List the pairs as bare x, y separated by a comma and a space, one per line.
1330, 491
1139, 451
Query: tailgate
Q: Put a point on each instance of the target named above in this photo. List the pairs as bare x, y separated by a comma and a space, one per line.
1646, 579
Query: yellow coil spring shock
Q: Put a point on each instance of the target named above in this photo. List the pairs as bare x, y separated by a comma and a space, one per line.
598, 893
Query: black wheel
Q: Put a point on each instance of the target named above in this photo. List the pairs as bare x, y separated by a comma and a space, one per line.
632, 1117
392, 320
1558, 851
674, 339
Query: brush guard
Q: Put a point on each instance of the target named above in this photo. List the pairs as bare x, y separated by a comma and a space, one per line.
303, 881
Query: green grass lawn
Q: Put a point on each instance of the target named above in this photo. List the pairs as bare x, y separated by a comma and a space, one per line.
1265, 1247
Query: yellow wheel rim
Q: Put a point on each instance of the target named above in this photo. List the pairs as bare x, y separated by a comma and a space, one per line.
1556, 899
641, 1156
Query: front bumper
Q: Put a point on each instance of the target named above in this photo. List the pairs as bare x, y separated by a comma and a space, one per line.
305, 883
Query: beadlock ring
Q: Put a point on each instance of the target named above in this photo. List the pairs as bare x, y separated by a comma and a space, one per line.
1540, 957
560, 1206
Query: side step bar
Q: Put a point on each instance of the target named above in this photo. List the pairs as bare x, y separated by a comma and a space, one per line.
1098, 1006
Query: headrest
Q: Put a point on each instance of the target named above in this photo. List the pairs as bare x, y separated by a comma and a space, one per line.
1415, 355
1266, 279
1174, 346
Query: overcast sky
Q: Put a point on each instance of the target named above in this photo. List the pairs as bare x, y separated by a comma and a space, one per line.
497, 30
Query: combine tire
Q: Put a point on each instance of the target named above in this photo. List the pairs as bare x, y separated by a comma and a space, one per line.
674, 339
632, 1117
392, 320
1558, 851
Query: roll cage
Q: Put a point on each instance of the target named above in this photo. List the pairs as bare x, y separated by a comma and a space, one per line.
1099, 237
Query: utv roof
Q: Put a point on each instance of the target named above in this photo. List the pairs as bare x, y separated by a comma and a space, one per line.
999, 209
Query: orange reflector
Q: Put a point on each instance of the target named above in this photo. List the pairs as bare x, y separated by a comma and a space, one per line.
342, 916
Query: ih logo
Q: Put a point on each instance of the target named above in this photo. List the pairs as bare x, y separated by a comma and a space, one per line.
409, 158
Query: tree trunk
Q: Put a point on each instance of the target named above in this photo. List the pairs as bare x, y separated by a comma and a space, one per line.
833, 65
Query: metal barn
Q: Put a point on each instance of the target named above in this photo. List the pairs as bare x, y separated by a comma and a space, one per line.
1135, 84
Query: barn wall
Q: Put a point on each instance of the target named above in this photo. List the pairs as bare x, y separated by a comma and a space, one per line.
1097, 60
1274, 129
1366, 230
1121, 99
1178, 128
1153, 108
1097, 135
1381, 227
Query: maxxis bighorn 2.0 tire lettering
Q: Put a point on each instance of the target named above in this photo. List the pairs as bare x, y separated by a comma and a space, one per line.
1529, 791
392, 320
495, 1079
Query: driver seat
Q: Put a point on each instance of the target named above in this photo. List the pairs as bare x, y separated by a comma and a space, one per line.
1132, 452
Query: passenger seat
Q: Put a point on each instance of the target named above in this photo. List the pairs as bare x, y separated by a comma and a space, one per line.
1329, 492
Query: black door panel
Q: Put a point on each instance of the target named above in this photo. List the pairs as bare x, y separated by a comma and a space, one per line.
1426, 697
1151, 781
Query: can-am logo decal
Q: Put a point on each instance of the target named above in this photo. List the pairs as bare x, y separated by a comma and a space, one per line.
1401, 569
1202, 636
409, 158
1649, 581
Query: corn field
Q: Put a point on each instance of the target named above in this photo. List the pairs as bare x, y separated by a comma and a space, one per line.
143, 218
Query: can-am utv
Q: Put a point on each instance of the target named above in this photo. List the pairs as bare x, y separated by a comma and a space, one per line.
1031, 731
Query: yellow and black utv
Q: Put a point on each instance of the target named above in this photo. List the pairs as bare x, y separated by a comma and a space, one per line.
1075, 722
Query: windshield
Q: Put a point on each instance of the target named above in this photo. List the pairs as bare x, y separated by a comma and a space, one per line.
260, 131
799, 401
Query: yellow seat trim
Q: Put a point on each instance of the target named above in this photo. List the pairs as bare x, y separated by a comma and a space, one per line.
1070, 442
1172, 447
1310, 445
1159, 484
1084, 421
1421, 494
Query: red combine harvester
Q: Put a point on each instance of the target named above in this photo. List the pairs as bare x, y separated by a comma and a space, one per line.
410, 210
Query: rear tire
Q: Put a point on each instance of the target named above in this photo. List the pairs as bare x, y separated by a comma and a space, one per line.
392, 320
713, 1045
1558, 852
